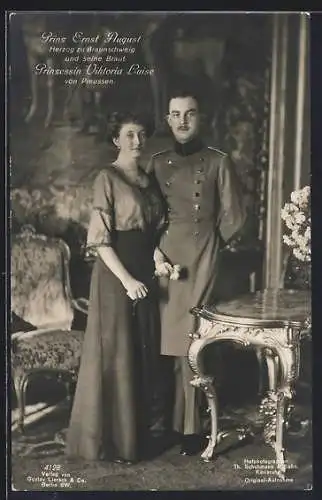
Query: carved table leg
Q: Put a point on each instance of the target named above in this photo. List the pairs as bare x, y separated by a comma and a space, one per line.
275, 406
274, 409
280, 425
260, 359
206, 384
272, 368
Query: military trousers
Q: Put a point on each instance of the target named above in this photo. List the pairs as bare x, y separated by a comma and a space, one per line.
187, 399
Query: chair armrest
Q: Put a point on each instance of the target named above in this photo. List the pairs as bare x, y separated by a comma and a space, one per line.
17, 335
80, 304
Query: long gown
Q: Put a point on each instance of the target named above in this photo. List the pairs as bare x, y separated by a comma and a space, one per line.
113, 399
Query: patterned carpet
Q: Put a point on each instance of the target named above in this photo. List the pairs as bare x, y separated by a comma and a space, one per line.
238, 468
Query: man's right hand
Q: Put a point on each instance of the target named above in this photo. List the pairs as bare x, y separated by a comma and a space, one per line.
163, 269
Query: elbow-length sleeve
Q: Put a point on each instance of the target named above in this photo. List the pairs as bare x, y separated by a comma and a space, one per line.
232, 205
102, 217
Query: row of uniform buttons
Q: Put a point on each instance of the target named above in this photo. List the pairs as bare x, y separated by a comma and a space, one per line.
196, 220
196, 194
168, 184
196, 206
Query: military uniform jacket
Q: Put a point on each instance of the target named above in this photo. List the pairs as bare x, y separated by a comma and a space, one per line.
205, 209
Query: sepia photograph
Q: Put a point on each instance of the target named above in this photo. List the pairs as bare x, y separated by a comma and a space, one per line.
160, 251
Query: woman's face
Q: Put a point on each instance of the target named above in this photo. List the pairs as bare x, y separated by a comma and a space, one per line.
131, 139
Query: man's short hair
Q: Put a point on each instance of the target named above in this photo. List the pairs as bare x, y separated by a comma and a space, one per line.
184, 92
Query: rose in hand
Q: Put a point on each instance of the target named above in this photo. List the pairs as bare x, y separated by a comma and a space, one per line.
175, 274
165, 269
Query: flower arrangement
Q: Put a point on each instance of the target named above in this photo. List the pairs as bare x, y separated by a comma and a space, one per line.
297, 218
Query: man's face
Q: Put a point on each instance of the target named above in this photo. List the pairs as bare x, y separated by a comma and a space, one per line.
184, 118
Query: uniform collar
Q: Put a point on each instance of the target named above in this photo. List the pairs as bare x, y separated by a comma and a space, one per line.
189, 148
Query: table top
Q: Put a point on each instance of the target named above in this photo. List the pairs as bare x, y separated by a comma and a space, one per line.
270, 307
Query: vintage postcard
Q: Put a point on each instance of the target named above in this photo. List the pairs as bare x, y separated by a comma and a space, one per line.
159, 205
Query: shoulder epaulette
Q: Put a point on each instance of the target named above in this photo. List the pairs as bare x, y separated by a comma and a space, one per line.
160, 152
217, 150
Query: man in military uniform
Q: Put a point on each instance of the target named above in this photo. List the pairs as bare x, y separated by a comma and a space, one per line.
205, 211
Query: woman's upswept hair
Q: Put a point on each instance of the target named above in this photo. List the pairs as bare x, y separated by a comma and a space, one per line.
117, 120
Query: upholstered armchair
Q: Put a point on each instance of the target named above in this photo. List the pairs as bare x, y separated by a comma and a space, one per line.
43, 307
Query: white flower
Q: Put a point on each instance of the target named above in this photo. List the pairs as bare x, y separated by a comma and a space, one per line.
296, 215
296, 197
299, 217
302, 244
295, 234
294, 208
285, 213
288, 241
301, 197
289, 222
165, 269
298, 254
290, 208
306, 191
175, 274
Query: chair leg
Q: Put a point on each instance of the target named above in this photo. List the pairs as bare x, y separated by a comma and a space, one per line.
20, 384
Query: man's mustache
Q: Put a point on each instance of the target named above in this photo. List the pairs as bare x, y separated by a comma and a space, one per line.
183, 127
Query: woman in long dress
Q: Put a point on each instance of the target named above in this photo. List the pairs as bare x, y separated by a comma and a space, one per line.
113, 399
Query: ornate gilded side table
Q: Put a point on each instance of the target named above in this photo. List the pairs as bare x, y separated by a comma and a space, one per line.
274, 321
